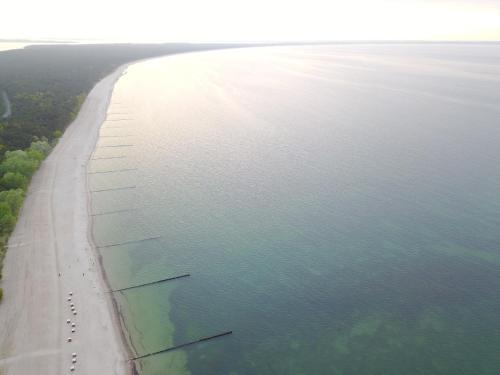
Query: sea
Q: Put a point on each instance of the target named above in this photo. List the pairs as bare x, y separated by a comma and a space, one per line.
321, 209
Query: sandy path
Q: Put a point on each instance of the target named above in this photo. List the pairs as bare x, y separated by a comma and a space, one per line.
52, 238
6, 104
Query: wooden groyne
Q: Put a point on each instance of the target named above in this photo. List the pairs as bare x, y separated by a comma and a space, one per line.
152, 283
110, 157
128, 242
115, 136
114, 212
114, 146
182, 345
113, 189
114, 171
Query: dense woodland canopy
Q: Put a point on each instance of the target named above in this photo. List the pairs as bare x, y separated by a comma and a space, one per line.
46, 85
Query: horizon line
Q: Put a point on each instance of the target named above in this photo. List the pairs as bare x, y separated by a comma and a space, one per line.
311, 41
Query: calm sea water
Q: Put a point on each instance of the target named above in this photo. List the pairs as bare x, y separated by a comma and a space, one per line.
337, 208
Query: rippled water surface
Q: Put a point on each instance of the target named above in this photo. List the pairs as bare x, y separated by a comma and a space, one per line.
336, 207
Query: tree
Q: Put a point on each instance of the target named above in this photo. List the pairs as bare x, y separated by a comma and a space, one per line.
19, 161
7, 220
14, 198
14, 180
40, 146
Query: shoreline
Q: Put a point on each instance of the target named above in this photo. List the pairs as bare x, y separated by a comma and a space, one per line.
52, 252
116, 315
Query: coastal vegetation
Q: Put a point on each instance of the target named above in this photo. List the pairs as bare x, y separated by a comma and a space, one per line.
16, 170
46, 85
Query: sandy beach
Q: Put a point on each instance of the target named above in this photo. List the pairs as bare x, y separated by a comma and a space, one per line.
51, 254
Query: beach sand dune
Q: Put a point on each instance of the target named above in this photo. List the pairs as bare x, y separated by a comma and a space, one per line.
50, 254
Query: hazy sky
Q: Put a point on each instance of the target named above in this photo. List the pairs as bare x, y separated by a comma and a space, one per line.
229, 20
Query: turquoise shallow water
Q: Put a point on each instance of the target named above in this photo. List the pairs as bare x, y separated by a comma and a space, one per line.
337, 208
